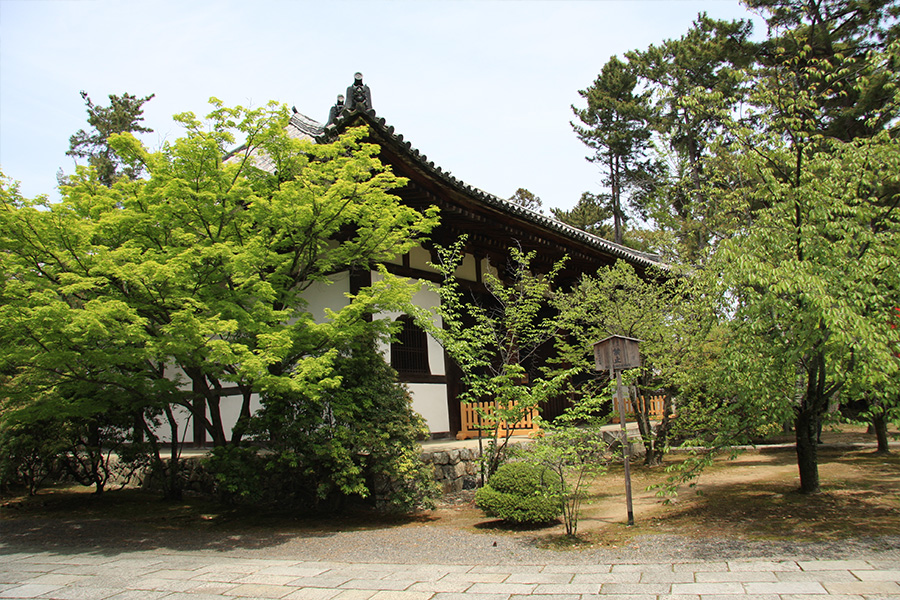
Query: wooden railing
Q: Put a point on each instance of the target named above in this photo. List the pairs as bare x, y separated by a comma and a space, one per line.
473, 422
653, 405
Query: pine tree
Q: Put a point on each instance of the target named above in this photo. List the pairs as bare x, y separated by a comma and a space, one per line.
590, 214
526, 199
849, 104
123, 115
615, 125
694, 81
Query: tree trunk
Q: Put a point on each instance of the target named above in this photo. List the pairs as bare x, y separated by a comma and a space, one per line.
662, 430
813, 403
237, 433
879, 424
211, 403
653, 447
805, 427
168, 472
616, 199
173, 489
201, 389
214, 405
642, 418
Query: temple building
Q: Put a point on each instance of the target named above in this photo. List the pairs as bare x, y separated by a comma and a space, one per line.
491, 226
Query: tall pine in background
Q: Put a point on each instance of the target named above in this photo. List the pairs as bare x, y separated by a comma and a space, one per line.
123, 115
615, 126
692, 81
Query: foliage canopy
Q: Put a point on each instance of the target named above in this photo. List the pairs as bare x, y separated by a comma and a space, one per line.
166, 293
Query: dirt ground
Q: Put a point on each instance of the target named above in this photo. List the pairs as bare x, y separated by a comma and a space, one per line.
751, 497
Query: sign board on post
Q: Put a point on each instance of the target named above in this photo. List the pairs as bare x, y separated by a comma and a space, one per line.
616, 353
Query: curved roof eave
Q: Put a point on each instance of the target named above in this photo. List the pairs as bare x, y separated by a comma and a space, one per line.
371, 118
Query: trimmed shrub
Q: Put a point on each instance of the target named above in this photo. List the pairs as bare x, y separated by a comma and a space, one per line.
326, 445
521, 493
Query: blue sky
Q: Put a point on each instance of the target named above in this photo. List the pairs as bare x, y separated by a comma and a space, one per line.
483, 88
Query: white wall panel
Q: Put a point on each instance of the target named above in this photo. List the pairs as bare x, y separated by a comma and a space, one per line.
430, 401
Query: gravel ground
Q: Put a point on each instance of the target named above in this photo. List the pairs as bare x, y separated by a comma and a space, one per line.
414, 543
409, 542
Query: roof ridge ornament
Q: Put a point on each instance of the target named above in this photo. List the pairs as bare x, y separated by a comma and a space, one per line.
336, 110
359, 97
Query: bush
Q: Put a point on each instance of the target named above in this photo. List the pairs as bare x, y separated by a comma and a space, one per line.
29, 455
573, 455
356, 440
521, 493
238, 473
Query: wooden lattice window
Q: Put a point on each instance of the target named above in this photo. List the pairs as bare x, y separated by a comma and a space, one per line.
409, 353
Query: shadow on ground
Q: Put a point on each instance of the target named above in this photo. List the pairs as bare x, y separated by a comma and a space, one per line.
71, 518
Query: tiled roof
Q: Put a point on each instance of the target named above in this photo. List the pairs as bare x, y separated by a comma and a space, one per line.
303, 127
617, 250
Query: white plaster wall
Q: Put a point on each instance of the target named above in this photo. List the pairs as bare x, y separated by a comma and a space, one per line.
332, 295
420, 258
487, 267
430, 401
319, 296
424, 298
467, 268
185, 426
231, 410
182, 415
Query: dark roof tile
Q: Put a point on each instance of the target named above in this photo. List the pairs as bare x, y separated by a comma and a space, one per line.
303, 127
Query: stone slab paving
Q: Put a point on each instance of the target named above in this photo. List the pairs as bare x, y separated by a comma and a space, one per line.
169, 575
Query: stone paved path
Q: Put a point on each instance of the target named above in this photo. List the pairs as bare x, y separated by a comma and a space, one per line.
196, 575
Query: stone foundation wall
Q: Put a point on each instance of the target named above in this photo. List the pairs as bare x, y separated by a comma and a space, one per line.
454, 470
193, 472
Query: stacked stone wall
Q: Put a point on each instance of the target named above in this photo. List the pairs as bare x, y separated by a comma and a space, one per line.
460, 469
193, 471
454, 470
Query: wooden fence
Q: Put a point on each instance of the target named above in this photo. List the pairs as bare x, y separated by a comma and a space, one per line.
473, 422
653, 405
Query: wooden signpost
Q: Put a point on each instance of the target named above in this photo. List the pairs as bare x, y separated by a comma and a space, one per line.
615, 354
